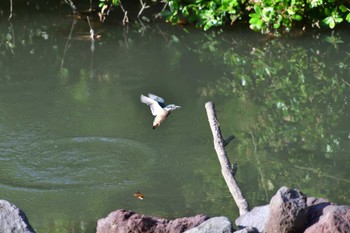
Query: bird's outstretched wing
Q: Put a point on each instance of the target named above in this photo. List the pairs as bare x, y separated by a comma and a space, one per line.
160, 100
153, 104
156, 98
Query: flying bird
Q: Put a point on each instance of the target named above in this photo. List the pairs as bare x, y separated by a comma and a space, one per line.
158, 108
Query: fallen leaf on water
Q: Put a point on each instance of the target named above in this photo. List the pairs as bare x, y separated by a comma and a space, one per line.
139, 195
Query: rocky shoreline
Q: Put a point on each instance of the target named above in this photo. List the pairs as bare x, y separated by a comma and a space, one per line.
289, 211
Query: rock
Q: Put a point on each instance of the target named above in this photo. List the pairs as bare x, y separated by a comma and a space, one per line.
334, 219
213, 225
13, 220
256, 218
315, 209
247, 230
123, 221
288, 212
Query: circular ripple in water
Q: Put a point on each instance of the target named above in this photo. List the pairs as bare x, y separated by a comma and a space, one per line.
75, 162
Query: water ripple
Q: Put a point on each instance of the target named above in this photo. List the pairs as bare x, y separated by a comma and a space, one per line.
87, 162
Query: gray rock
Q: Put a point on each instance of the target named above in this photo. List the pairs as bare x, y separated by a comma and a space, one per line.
213, 225
256, 218
247, 230
333, 219
123, 221
288, 212
13, 220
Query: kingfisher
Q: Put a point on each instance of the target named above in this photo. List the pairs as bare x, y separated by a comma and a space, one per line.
158, 108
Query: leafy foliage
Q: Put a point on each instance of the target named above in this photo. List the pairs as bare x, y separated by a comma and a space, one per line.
266, 16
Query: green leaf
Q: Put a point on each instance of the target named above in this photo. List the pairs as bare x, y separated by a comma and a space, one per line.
257, 9
165, 13
185, 11
329, 21
338, 19
297, 17
328, 11
348, 17
268, 13
343, 8
254, 20
255, 15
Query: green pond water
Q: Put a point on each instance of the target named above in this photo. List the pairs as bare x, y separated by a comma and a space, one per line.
76, 142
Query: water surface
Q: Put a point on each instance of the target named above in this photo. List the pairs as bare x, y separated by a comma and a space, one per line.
76, 143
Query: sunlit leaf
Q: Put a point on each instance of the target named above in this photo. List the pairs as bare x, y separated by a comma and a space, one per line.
257, 9
297, 17
329, 21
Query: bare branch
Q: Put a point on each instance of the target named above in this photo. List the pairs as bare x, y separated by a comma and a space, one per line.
165, 5
143, 6
226, 169
125, 19
67, 42
71, 4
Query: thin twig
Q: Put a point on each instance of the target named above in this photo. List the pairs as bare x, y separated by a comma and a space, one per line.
11, 8
71, 4
165, 5
67, 42
346, 82
143, 6
125, 19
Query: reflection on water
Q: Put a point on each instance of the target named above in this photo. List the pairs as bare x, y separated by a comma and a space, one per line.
77, 143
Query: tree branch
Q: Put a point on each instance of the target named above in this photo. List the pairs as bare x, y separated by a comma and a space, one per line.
226, 170
125, 19
143, 6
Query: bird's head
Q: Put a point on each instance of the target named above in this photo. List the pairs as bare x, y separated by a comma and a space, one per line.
171, 107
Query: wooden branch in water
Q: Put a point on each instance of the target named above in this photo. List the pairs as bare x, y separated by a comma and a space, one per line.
11, 8
224, 161
125, 19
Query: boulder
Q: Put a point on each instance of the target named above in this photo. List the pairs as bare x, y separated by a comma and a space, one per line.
247, 230
213, 225
128, 221
288, 212
315, 209
13, 219
256, 218
333, 219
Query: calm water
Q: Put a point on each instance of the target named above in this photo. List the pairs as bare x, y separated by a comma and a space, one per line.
76, 143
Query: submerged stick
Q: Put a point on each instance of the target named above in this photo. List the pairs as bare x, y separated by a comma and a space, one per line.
224, 161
